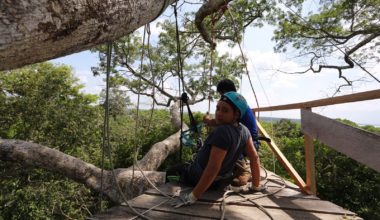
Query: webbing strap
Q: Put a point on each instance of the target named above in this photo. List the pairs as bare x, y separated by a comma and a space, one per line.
193, 123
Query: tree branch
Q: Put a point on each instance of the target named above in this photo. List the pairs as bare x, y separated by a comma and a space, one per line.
208, 8
58, 28
32, 154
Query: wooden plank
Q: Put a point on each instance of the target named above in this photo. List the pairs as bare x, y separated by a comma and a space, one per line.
300, 204
233, 212
361, 96
212, 209
124, 213
157, 206
310, 162
148, 201
272, 181
245, 212
284, 161
216, 195
311, 205
357, 144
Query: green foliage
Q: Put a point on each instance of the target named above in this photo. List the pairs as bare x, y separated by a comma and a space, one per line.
42, 103
344, 181
118, 101
318, 34
28, 193
340, 179
369, 128
288, 138
152, 70
287, 129
129, 141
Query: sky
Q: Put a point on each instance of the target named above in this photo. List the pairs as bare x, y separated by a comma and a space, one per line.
271, 86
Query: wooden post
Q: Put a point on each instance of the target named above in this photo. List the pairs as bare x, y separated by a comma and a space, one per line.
287, 165
310, 162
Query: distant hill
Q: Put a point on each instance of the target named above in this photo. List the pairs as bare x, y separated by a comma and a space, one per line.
273, 119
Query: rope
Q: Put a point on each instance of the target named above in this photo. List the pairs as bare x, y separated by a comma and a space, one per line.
179, 58
251, 199
147, 28
179, 67
180, 76
153, 79
234, 25
106, 120
106, 141
153, 207
210, 80
137, 149
211, 61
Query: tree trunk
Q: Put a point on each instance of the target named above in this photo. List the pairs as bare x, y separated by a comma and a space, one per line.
39, 30
31, 154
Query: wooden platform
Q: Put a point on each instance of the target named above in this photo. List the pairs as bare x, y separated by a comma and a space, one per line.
286, 203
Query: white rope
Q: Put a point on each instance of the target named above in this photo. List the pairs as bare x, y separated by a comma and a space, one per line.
106, 137
249, 198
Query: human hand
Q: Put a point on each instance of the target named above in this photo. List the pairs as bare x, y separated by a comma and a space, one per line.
184, 200
207, 118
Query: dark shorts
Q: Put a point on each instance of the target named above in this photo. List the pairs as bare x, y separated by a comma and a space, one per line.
187, 172
190, 174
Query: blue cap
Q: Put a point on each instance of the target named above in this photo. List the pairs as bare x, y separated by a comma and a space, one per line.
237, 100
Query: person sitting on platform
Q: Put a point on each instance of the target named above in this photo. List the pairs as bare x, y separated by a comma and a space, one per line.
242, 175
248, 119
215, 160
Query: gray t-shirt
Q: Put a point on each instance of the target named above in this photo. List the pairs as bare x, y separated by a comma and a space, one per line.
227, 137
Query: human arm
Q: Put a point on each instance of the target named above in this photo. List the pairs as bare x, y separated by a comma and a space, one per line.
209, 121
249, 120
207, 178
254, 162
211, 171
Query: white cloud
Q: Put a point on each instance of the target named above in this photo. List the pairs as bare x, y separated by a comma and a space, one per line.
93, 85
279, 88
155, 30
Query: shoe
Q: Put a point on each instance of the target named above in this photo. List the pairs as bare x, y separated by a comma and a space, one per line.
241, 174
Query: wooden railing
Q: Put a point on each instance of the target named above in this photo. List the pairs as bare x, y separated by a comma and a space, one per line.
358, 144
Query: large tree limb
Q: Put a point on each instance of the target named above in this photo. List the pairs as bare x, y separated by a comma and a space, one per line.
39, 30
32, 154
208, 8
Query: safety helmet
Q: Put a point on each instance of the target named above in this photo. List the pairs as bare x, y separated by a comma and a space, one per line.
237, 100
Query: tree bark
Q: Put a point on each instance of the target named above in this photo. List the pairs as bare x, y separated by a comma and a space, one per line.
32, 31
32, 154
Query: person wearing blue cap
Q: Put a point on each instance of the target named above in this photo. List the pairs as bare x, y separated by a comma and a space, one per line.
248, 119
222, 148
